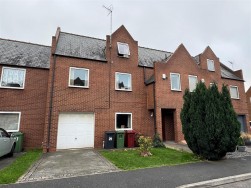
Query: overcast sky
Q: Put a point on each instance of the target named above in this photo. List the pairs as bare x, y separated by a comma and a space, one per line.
224, 25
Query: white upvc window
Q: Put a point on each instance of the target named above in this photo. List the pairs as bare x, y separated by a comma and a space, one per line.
123, 121
10, 121
78, 77
175, 81
123, 81
13, 78
234, 92
123, 49
210, 65
192, 82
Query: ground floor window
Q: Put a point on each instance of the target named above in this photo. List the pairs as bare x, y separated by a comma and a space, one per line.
123, 121
10, 121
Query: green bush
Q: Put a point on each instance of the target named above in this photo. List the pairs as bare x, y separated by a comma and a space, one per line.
209, 123
157, 142
145, 144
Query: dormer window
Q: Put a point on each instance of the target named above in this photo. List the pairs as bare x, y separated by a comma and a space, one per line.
123, 49
210, 65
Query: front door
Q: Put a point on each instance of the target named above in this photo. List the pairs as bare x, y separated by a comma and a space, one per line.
242, 120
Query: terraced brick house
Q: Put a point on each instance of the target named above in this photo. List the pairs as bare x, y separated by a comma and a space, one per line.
248, 95
94, 85
24, 69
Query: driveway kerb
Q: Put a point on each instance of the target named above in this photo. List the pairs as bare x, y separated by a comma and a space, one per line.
220, 181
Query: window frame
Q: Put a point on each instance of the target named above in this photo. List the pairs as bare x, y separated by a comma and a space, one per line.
122, 129
213, 65
121, 54
173, 73
238, 94
189, 81
19, 119
14, 69
116, 73
69, 81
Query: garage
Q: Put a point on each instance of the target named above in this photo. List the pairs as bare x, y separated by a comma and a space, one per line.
75, 130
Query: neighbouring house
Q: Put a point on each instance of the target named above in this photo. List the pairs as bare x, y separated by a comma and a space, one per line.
248, 95
92, 85
23, 89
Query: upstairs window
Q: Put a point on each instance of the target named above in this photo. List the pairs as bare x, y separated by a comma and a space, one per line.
123, 81
13, 78
79, 77
123, 49
192, 82
10, 121
210, 65
175, 81
234, 92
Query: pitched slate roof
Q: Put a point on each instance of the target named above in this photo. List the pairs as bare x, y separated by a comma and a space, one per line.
81, 47
92, 48
228, 73
148, 56
24, 54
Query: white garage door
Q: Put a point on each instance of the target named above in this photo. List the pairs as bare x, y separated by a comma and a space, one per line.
75, 130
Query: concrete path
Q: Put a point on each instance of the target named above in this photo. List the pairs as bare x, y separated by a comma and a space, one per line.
178, 146
68, 163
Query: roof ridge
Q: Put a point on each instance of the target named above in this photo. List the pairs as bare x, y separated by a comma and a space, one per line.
83, 36
154, 49
25, 42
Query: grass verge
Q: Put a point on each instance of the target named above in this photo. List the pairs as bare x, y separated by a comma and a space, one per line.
11, 173
129, 159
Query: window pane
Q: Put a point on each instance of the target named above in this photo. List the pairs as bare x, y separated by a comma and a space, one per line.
123, 81
123, 48
123, 121
192, 83
210, 65
9, 121
234, 92
13, 77
175, 81
79, 77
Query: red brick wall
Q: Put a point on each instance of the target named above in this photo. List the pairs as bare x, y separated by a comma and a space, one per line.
102, 84
30, 101
182, 63
248, 95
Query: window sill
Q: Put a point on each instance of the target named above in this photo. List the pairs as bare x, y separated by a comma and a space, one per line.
125, 129
3, 87
84, 87
176, 90
123, 90
235, 98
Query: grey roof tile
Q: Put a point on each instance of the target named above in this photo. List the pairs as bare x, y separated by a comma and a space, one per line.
24, 54
81, 47
227, 73
148, 56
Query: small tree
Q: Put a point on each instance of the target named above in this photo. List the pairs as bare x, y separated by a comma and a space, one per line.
145, 144
209, 123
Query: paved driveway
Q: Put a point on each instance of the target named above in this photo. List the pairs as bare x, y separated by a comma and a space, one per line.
68, 163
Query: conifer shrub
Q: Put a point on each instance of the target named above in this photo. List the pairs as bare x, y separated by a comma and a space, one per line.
209, 122
157, 142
